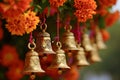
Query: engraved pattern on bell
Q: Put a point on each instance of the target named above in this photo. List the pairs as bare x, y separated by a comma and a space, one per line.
43, 42
68, 40
32, 64
60, 60
80, 58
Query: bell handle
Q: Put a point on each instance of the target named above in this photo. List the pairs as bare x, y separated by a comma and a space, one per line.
68, 28
33, 45
59, 45
43, 27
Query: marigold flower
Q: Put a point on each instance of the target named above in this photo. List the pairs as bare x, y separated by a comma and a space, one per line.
85, 4
72, 74
57, 3
16, 25
84, 15
85, 9
102, 11
15, 71
111, 18
105, 34
107, 3
12, 8
9, 55
31, 21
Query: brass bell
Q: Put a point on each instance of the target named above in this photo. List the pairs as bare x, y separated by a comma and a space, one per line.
32, 62
86, 42
80, 58
99, 40
68, 40
94, 55
43, 42
60, 60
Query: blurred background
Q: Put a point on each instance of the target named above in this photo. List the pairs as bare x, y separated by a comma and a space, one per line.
108, 69
11, 64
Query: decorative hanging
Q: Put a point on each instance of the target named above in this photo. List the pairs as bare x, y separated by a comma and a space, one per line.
32, 62
80, 57
43, 42
68, 52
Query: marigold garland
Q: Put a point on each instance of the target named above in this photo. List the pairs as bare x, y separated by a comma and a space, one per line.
16, 25
23, 23
85, 9
107, 3
82, 16
31, 21
112, 18
57, 3
13, 8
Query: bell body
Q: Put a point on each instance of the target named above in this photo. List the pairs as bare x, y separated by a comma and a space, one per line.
94, 54
60, 60
99, 41
68, 41
86, 42
32, 63
43, 44
80, 58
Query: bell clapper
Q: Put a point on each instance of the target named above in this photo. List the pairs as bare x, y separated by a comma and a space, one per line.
32, 76
60, 71
44, 57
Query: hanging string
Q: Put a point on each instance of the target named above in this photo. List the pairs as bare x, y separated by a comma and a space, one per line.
58, 26
31, 38
78, 33
44, 20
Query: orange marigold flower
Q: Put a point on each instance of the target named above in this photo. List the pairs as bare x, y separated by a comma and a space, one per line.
57, 3
85, 9
12, 8
15, 71
16, 25
85, 4
105, 34
102, 11
107, 3
8, 55
83, 15
31, 21
112, 18
72, 74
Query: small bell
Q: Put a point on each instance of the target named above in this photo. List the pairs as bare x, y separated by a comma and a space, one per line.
60, 61
80, 58
68, 40
86, 42
43, 42
94, 55
32, 62
99, 40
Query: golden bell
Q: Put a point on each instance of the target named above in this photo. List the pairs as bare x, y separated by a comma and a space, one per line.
68, 40
86, 42
43, 42
99, 41
32, 62
94, 55
60, 60
80, 58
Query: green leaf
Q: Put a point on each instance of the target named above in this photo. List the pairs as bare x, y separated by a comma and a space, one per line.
101, 22
43, 1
